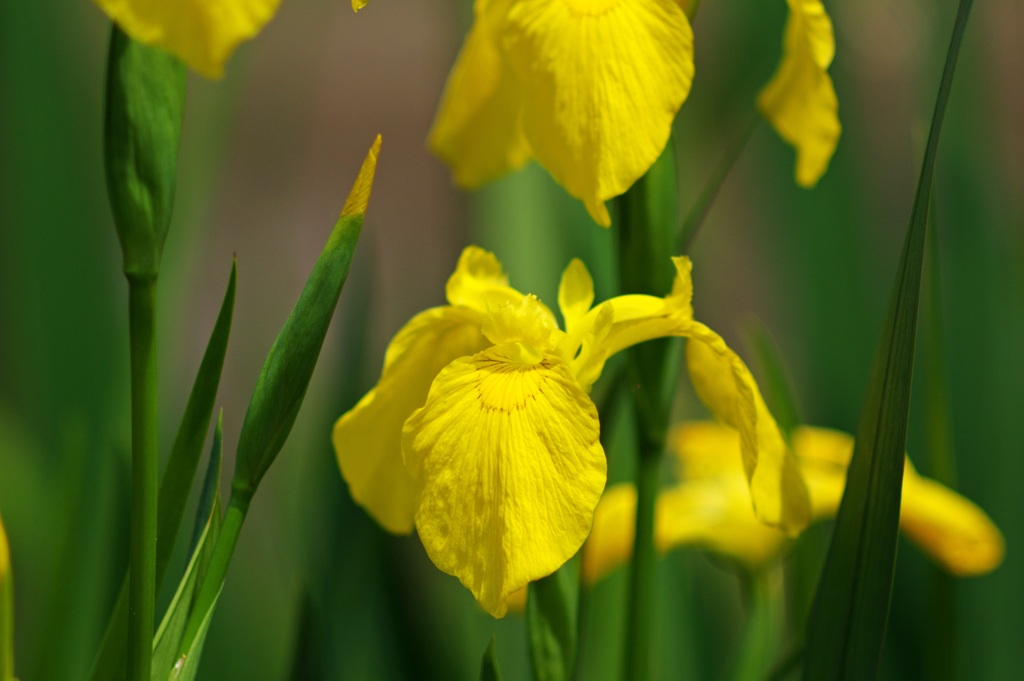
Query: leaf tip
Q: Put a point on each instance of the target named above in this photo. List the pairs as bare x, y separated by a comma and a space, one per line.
359, 197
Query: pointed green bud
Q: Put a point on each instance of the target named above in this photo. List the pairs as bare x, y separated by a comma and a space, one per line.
145, 98
289, 365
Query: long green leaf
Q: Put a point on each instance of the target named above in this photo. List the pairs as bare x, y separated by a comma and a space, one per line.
846, 628
551, 617
489, 665
176, 483
168, 635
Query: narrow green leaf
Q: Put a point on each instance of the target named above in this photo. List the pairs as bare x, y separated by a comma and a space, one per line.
168, 635
176, 483
773, 378
551, 617
846, 628
186, 666
288, 368
489, 665
6, 610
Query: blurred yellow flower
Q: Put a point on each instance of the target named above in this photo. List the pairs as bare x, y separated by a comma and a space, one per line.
800, 101
202, 33
710, 508
481, 432
587, 87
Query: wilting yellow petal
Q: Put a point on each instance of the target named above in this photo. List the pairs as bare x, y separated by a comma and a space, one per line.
800, 101
368, 439
602, 82
478, 130
479, 283
951, 529
202, 33
510, 468
359, 197
725, 385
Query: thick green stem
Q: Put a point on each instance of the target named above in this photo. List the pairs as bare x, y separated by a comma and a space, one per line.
647, 220
142, 584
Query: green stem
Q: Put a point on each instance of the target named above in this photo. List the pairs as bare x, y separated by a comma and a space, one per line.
142, 584
648, 221
209, 591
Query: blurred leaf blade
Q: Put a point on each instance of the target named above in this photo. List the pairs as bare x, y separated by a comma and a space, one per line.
774, 379
847, 624
489, 665
6, 610
551, 617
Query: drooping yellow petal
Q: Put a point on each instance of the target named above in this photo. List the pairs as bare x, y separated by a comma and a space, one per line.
712, 514
479, 283
510, 468
477, 131
368, 439
800, 101
951, 529
725, 385
602, 80
202, 33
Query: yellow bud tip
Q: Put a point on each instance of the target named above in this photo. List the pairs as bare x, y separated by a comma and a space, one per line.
5, 554
358, 5
360, 194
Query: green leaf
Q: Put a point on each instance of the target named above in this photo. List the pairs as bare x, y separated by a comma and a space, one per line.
489, 665
145, 101
288, 368
846, 628
168, 635
551, 617
176, 483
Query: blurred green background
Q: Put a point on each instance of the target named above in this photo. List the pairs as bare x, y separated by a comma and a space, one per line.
316, 590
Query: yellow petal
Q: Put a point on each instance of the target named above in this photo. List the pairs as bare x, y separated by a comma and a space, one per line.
800, 101
610, 543
706, 449
202, 33
950, 528
725, 385
529, 322
602, 81
575, 294
367, 439
477, 130
359, 197
5, 554
511, 468
358, 5
478, 282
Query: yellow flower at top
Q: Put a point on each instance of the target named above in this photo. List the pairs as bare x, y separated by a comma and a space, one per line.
800, 101
587, 87
481, 434
710, 507
202, 33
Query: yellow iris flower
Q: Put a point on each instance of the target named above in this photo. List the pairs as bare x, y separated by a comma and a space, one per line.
800, 101
710, 508
481, 433
587, 87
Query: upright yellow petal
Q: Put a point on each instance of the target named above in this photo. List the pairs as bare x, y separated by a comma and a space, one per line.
202, 33
575, 294
368, 439
478, 128
726, 386
603, 80
510, 468
800, 101
479, 283
950, 528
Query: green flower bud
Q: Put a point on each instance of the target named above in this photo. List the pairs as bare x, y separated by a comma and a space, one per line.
145, 98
